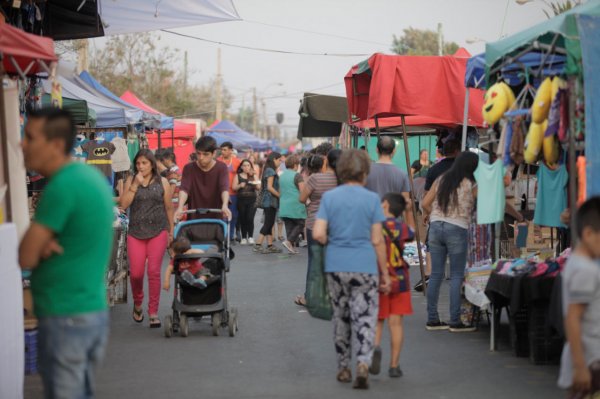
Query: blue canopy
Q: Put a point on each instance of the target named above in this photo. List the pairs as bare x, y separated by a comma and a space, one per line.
222, 137
514, 73
234, 132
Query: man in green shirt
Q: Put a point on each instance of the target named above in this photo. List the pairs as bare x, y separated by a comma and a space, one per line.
68, 247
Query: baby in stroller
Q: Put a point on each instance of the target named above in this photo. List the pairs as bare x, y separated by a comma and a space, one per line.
191, 270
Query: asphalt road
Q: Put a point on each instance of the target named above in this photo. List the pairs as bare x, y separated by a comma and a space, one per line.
281, 352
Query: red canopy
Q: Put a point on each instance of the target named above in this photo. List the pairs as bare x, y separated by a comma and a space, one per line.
25, 49
428, 90
134, 100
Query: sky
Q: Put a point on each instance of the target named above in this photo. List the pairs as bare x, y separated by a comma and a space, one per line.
345, 26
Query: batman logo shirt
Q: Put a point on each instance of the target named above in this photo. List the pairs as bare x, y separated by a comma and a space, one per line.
99, 155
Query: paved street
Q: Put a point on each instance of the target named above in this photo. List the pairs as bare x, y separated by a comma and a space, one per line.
281, 352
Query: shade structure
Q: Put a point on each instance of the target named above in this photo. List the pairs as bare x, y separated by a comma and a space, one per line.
223, 137
514, 72
74, 19
321, 115
228, 129
429, 87
24, 53
560, 31
79, 109
166, 122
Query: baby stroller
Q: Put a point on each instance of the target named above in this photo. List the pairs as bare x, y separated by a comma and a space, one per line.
211, 236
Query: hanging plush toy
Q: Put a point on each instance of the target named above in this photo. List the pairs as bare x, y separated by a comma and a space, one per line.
533, 142
551, 149
498, 99
543, 99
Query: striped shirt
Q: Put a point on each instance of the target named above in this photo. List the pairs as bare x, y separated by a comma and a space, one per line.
318, 184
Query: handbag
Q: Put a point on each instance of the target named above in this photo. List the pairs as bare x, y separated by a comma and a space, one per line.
595, 388
318, 301
259, 199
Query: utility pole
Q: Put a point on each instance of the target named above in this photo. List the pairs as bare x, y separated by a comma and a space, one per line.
266, 122
219, 110
185, 70
254, 112
440, 39
83, 63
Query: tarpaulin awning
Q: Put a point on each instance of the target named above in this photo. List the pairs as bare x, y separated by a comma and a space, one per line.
166, 122
236, 133
79, 109
561, 31
23, 53
223, 137
429, 87
321, 116
74, 19
184, 130
514, 73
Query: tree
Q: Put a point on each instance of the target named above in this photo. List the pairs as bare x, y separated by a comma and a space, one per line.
559, 7
244, 118
420, 42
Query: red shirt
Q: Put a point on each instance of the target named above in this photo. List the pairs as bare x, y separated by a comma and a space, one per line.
193, 266
232, 165
204, 188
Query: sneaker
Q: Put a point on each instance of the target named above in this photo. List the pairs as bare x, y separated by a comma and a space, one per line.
244, 241
257, 248
344, 375
395, 372
460, 327
376, 361
303, 244
419, 286
271, 249
288, 246
435, 326
362, 377
251, 241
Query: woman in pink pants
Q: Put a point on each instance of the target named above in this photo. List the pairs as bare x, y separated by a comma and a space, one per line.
150, 231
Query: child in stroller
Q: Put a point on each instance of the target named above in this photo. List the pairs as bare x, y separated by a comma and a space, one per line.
191, 271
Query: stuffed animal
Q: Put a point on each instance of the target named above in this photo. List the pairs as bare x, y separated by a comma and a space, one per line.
498, 99
542, 101
533, 142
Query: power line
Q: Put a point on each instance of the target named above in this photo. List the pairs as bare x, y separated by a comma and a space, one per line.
266, 49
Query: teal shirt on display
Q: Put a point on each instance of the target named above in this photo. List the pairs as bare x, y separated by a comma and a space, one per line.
551, 198
491, 198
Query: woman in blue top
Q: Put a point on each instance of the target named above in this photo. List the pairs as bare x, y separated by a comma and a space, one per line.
270, 203
355, 262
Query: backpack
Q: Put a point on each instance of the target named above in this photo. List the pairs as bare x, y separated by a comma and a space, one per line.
399, 274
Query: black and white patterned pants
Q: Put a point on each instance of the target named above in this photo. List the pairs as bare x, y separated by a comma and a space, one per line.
355, 300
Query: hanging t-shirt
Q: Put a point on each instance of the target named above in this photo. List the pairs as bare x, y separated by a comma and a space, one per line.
133, 146
551, 196
491, 198
99, 155
78, 154
120, 158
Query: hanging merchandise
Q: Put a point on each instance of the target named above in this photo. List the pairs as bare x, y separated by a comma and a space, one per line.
517, 144
56, 95
99, 154
581, 180
552, 196
533, 142
498, 99
78, 154
490, 185
551, 150
507, 143
541, 104
120, 158
558, 85
133, 145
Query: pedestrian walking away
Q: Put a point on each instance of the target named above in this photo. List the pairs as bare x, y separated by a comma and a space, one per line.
148, 195
269, 202
450, 203
355, 263
246, 184
67, 247
292, 211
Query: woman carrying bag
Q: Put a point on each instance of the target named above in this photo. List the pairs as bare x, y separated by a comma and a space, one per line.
268, 200
245, 185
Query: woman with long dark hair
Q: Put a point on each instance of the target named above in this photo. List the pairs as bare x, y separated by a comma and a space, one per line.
270, 203
150, 231
245, 184
450, 203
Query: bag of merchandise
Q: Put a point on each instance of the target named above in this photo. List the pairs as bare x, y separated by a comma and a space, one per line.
318, 301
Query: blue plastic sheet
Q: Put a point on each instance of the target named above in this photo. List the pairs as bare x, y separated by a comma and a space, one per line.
589, 31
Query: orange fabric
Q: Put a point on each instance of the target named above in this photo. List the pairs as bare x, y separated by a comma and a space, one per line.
395, 304
582, 188
232, 166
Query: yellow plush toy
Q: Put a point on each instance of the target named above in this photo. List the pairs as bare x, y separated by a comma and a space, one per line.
543, 99
557, 83
533, 142
551, 150
509, 95
495, 103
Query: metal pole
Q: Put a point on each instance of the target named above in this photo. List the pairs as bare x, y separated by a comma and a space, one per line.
4, 138
414, 209
173, 139
377, 127
159, 143
463, 146
573, 91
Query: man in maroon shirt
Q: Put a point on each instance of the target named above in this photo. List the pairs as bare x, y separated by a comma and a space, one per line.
205, 183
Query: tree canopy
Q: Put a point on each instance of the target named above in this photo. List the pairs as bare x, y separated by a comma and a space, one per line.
420, 42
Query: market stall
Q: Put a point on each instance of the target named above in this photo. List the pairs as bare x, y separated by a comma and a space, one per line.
229, 130
182, 141
321, 115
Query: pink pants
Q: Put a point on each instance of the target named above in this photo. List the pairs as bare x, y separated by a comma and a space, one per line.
152, 250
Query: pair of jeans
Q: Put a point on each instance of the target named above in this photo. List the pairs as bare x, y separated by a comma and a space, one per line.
270, 216
246, 213
70, 349
446, 240
233, 207
293, 229
153, 251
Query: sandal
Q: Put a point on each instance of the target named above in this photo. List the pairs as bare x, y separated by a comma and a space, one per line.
344, 375
300, 301
154, 322
138, 315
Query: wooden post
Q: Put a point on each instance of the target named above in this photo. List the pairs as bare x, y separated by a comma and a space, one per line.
573, 91
5, 149
413, 202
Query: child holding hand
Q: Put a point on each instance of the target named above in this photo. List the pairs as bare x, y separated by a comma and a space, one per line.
191, 270
394, 305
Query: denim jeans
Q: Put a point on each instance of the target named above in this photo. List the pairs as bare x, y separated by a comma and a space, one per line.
233, 207
69, 351
446, 240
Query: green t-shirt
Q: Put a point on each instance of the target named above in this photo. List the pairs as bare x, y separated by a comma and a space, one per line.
77, 206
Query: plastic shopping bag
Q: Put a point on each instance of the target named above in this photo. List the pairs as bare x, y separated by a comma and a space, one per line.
317, 298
